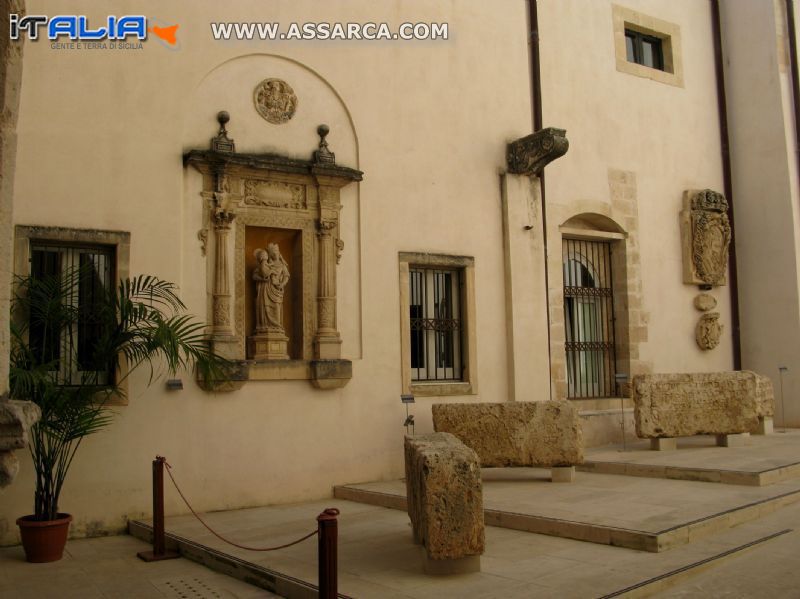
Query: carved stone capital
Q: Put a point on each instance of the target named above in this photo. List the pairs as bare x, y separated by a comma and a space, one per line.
222, 218
530, 154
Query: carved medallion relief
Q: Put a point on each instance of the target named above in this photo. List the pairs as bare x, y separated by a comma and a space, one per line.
275, 100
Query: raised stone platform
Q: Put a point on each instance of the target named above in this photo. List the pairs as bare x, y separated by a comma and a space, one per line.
626, 511
766, 460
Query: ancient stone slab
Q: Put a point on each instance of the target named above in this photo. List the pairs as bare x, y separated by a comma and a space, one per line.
536, 433
705, 302
445, 496
714, 403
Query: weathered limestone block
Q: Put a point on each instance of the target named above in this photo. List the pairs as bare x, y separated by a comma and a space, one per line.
445, 496
535, 433
713, 403
16, 417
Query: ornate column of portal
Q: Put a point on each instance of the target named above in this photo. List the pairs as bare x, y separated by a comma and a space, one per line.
221, 295
327, 341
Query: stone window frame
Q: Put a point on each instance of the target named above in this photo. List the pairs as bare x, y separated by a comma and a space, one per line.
670, 35
25, 235
469, 383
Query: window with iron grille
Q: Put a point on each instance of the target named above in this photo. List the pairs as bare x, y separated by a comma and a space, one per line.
589, 318
71, 350
436, 326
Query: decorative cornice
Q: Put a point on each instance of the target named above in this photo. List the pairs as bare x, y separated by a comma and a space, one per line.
272, 162
530, 154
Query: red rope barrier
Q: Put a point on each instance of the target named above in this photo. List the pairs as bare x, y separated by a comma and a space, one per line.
219, 536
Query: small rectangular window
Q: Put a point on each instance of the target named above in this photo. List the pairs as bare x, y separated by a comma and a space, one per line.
643, 49
86, 273
436, 328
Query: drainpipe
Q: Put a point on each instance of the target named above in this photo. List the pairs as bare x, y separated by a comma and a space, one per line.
795, 77
536, 97
722, 110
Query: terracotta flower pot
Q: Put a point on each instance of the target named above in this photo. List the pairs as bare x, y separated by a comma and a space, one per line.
44, 541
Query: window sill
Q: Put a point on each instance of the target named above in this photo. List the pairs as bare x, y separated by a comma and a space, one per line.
435, 389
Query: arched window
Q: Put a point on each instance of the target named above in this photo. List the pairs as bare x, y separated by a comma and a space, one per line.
588, 318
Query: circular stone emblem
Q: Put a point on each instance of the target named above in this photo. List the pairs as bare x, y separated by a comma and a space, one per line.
275, 100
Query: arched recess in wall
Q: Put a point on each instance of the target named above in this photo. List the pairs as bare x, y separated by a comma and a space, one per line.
230, 86
594, 342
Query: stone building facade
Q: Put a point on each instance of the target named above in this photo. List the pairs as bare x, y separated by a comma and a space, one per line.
431, 246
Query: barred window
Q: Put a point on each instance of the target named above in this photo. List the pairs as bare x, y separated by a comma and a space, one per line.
436, 326
91, 268
589, 318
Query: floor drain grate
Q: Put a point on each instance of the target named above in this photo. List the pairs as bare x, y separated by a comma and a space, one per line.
191, 588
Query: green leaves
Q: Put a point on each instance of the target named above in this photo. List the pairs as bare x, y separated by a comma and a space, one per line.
140, 323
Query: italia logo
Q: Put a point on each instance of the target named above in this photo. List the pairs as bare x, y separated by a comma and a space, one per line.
78, 28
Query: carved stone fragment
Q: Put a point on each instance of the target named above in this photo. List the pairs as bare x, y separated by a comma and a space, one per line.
16, 419
275, 100
708, 331
713, 403
705, 302
445, 496
706, 234
530, 154
536, 433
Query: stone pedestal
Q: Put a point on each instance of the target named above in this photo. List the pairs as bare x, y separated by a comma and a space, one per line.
765, 426
737, 440
562, 474
270, 345
664, 444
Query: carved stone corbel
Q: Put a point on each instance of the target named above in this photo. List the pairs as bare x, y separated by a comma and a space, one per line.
530, 154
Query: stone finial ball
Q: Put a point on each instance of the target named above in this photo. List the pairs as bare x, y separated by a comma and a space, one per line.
223, 117
323, 130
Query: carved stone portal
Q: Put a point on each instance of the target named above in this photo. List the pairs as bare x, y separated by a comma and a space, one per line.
706, 235
708, 331
279, 318
275, 100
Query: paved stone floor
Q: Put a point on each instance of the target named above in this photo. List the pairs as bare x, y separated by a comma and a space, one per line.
756, 558
107, 567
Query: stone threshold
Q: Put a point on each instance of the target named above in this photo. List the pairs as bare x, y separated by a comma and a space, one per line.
657, 584
711, 475
258, 576
640, 540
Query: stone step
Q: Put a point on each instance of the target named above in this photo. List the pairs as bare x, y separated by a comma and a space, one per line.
654, 515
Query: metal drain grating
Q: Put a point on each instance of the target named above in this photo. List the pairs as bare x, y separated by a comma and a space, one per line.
191, 588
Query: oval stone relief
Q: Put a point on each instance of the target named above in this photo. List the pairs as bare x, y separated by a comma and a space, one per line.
275, 100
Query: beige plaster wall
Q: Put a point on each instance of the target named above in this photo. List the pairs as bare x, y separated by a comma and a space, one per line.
635, 145
765, 188
101, 139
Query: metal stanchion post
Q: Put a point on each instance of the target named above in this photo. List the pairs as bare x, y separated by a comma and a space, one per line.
328, 527
159, 551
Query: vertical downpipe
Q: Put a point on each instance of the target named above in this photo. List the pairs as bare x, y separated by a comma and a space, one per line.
536, 96
722, 110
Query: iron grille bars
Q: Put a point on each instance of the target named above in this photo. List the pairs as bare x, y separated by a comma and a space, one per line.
589, 318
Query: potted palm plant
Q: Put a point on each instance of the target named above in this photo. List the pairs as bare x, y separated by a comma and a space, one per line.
70, 357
